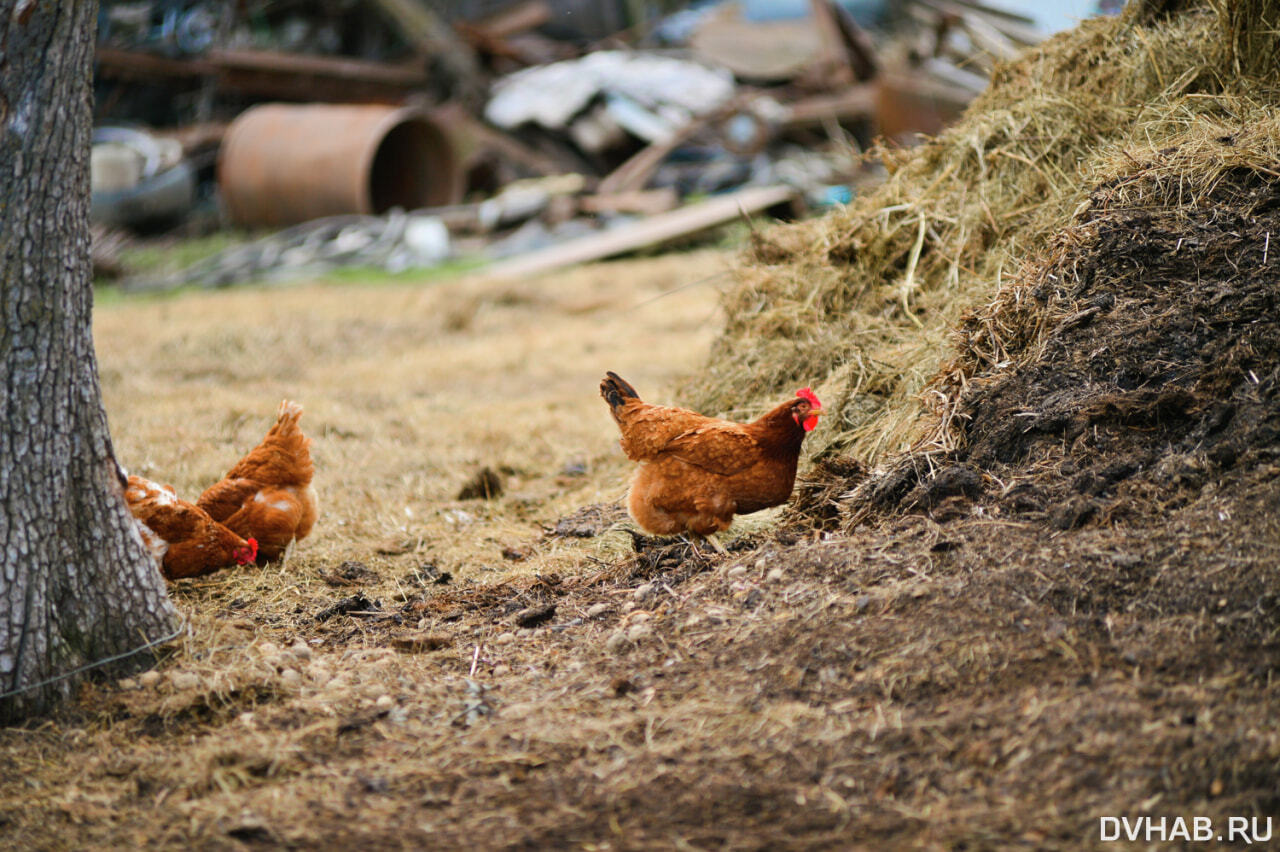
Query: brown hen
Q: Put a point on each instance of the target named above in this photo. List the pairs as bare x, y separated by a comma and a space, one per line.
182, 538
697, 472
268, 494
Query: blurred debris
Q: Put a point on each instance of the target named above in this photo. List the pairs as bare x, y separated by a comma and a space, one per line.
349, 573
781, 49
417, 643
104, 249
427, 573
645, 202
271, 74
394, 243
647, 93
589, 521
534, 615
510, 124
432, 37
282, 164
485, 485
357, 606
476, 705
646, 232
508, 40
138, 180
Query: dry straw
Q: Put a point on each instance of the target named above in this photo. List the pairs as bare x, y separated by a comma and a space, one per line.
861, 303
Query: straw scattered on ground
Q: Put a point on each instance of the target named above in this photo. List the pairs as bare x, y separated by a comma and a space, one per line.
1028, 583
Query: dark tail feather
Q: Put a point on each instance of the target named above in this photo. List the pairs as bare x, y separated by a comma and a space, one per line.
616, 391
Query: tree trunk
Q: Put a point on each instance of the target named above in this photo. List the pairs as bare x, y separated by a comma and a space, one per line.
77, 586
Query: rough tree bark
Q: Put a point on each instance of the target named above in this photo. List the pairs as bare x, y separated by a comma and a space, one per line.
77, 585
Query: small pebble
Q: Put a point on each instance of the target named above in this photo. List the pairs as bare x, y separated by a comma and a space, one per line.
245, 718
500, 670
267, 649
737, 571
762, 564
639, 632
128, 683
642, 592
291, 677
775, 575
301, 650
617, 643
597, 610
149, 678
184, 680
504, 638
384, 702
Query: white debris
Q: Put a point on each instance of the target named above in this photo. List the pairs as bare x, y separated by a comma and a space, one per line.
663, 86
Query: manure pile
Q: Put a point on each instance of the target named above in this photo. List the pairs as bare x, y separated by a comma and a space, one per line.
1162, 120
1138, 366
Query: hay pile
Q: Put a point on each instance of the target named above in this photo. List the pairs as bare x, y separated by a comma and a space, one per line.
862, 302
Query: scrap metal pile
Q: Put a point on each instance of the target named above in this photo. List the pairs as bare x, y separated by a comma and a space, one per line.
532, 127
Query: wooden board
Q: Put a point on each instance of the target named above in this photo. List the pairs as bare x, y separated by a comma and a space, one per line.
647, 232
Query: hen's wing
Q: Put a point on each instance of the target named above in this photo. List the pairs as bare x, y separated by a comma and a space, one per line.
718, 446
223, 499
271, 516
159, 507
648, 430
652, 432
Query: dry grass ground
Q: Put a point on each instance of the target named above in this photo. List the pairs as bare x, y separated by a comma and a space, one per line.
967, 682
409, 392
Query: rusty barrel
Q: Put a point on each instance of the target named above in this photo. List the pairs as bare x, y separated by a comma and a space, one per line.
286, 163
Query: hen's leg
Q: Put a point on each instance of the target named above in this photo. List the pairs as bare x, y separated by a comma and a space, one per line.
714, 541
695, 539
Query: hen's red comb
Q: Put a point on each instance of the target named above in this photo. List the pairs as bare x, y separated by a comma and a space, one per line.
253, 547
806, 393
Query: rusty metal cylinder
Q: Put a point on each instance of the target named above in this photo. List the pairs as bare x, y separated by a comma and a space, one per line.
281, 164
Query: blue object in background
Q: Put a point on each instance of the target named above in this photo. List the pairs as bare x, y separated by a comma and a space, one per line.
829, 196
868, 13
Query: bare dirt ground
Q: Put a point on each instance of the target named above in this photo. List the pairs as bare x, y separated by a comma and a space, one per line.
968, 667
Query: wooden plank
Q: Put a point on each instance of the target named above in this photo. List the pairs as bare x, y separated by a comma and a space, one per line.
517, 19
986, 36
474, 138
648, 232
633, 174
137, 65
337, 68
853, 102
1019, 28
647, 202
861, 47
274, 74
